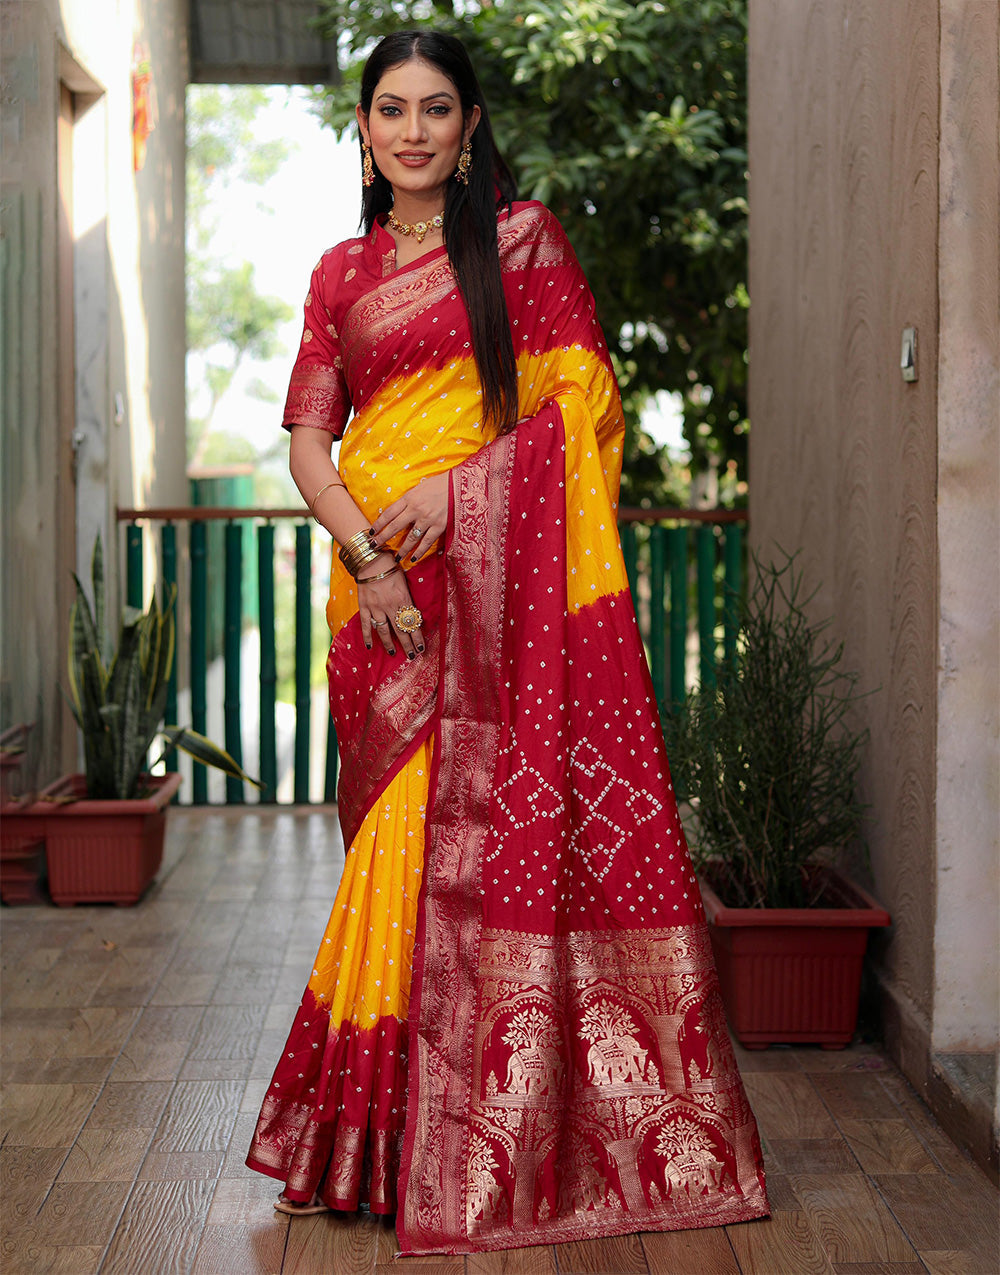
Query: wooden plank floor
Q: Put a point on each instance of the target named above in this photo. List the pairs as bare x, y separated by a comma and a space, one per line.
137, 1044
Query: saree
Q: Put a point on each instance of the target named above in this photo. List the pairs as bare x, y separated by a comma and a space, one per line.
513, 1032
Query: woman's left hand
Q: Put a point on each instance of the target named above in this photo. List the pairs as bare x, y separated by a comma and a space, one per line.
422, 513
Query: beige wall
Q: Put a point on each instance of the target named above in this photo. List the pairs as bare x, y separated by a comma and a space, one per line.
873, 157
968, 509
123, 287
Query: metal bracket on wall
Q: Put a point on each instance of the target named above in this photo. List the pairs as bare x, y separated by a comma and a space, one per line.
908, 356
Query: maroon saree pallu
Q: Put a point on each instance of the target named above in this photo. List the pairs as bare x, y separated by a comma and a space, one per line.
570, 1071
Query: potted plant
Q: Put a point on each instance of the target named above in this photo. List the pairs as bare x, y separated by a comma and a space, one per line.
767, 762
104, 829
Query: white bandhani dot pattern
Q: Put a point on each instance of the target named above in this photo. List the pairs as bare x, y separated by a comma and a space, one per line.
526, 800
597, 835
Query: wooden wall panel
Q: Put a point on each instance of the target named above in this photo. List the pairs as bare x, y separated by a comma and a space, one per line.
844, 203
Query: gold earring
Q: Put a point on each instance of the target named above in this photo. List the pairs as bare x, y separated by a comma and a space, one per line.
464, 163
367, 167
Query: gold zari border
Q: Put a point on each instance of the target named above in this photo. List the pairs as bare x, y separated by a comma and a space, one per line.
658, 1090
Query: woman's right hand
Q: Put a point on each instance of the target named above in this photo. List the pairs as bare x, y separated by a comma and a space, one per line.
378, 603
421, 516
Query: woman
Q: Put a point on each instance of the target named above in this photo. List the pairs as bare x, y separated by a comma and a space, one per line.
512, 1033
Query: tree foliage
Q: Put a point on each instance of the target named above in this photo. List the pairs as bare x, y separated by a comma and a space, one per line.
228, 319
222, 148
628, 118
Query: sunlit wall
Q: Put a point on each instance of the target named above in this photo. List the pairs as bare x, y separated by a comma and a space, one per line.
92, 276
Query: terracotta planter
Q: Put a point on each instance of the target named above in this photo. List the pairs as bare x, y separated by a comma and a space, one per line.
22, 843
22, 866
793, 975
103, 851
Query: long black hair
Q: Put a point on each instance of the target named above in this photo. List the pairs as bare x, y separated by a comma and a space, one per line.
470, 214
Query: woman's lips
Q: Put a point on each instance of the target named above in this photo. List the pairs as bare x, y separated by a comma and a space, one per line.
414, 159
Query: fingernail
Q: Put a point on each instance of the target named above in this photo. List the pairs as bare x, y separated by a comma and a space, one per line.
420, 649
397, 556
411, 655
392, 650
368, 646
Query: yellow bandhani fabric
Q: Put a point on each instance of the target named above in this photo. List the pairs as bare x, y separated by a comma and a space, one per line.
362, 971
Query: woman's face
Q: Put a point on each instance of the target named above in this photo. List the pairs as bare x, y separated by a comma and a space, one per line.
416, 128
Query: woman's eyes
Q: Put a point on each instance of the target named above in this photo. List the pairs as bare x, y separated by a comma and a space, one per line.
439, 110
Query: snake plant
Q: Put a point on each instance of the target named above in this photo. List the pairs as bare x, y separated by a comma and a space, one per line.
118, 697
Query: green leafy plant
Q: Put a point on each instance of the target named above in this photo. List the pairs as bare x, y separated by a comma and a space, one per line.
767, 758
118, 697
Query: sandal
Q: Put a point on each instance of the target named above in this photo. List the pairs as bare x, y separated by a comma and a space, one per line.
294, 1209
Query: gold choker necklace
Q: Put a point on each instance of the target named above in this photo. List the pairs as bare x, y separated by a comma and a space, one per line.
419, 228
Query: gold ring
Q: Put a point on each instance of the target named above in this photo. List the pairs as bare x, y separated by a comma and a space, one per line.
407, 619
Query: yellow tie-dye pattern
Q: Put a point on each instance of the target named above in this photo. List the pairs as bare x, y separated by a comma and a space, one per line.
417, 425
594, 563
420, 425
577, 378
362, 971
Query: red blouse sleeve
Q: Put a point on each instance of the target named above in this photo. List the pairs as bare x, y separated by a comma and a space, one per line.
317, 393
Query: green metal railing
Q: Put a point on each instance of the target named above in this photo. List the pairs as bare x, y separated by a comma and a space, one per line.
664, 549
685, 570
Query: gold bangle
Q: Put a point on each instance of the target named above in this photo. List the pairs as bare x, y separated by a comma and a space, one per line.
360, 537
358, 545
355, 568
371, 579
359, 551
325, 487
360, 558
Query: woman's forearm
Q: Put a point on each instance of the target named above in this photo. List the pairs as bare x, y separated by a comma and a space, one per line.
321, 485
382, 586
